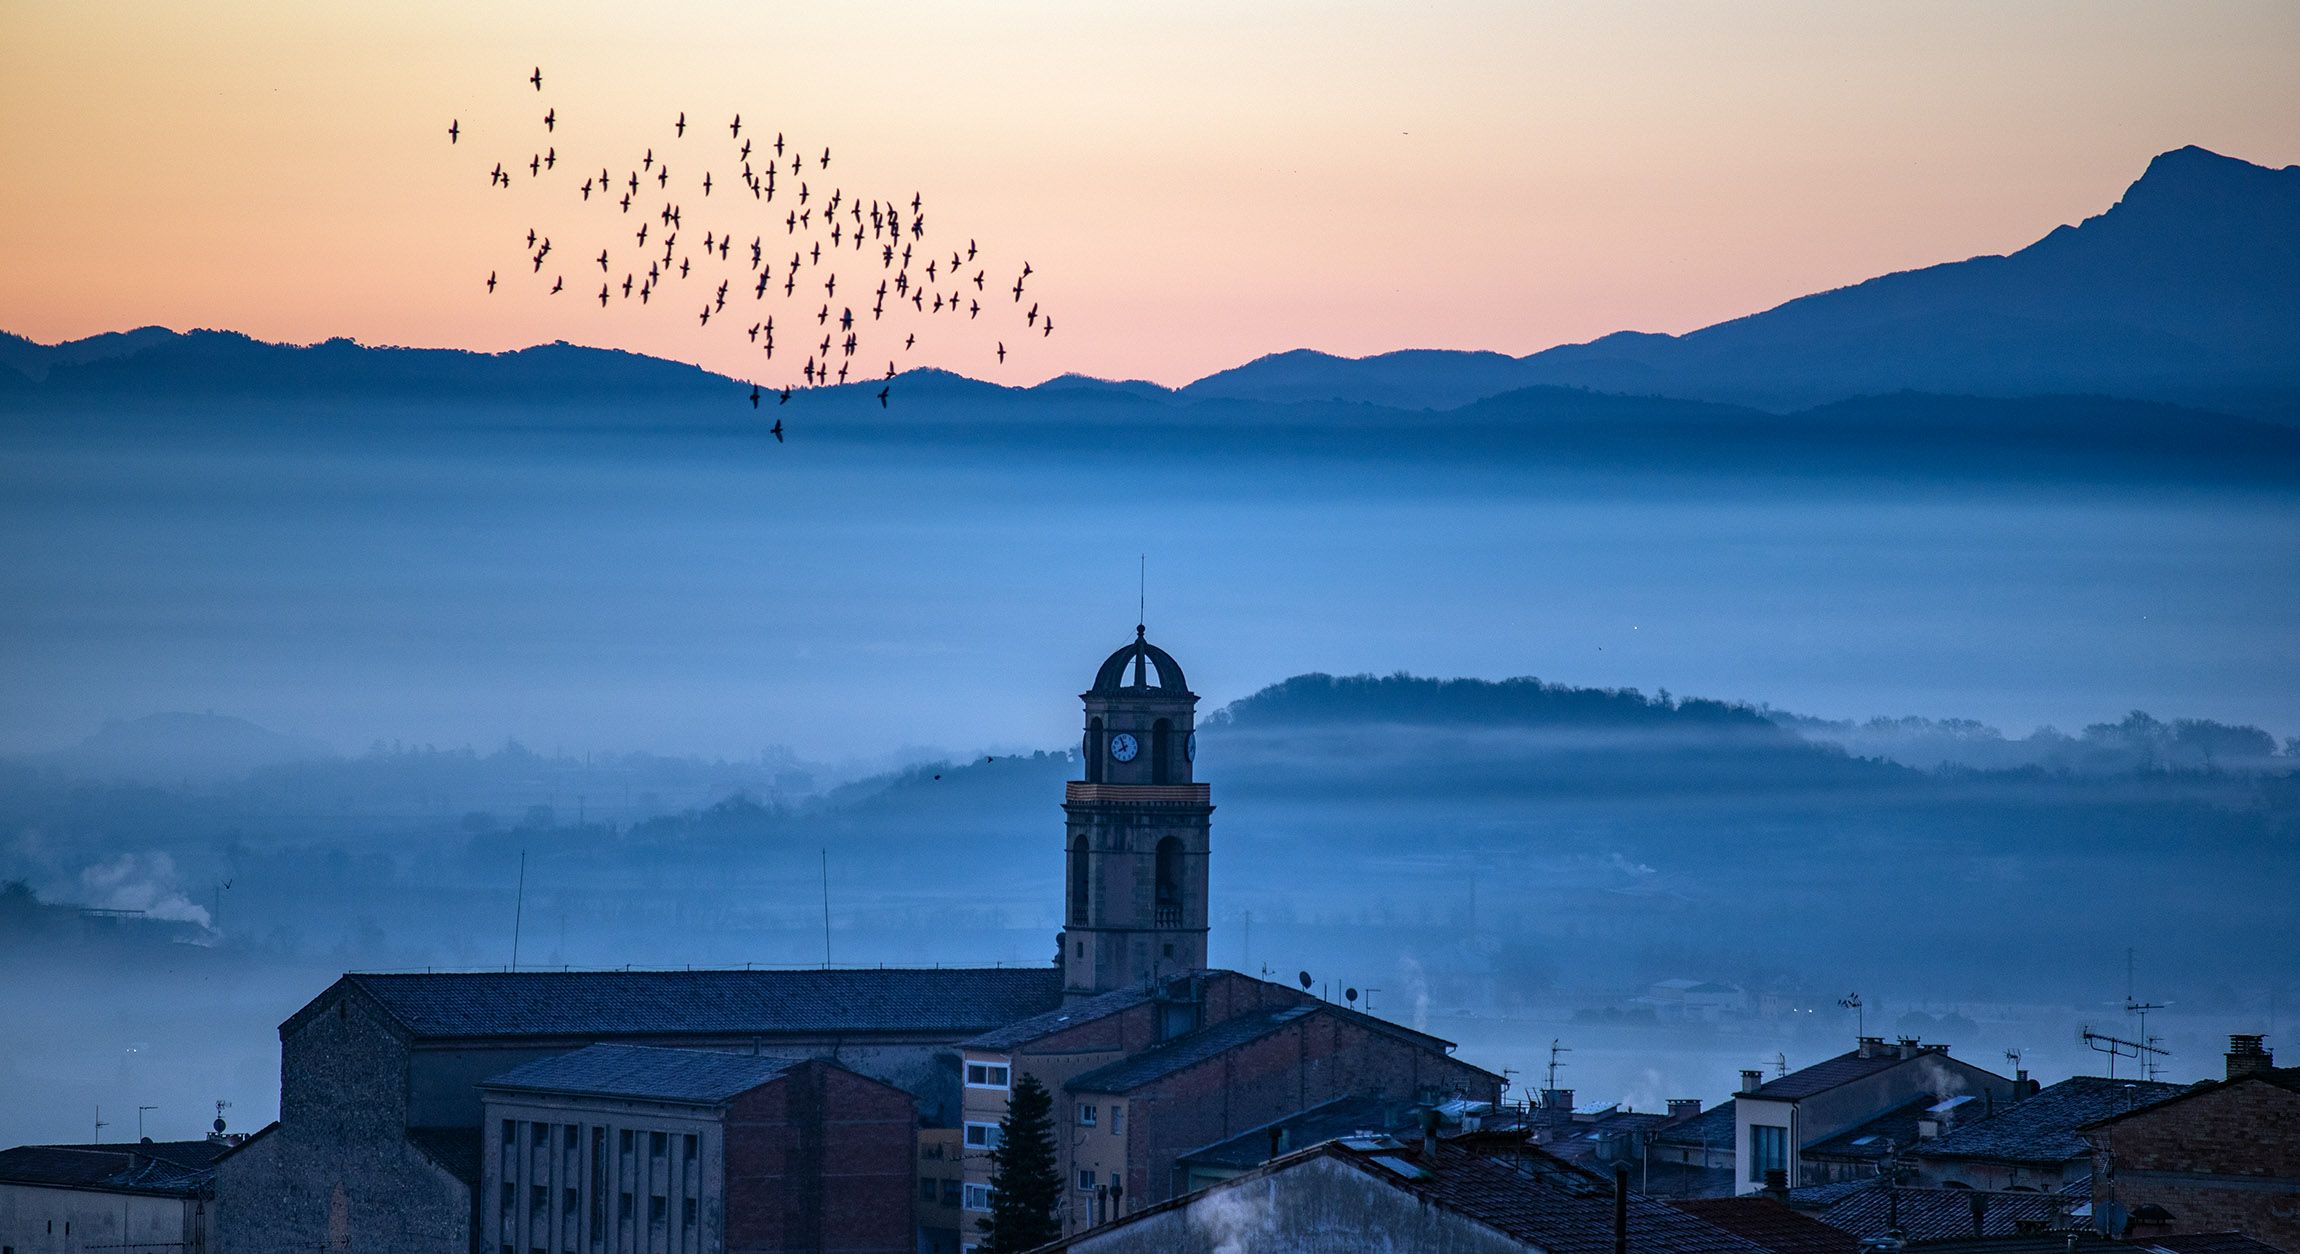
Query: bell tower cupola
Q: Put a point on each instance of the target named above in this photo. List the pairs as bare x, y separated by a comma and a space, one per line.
1136, 835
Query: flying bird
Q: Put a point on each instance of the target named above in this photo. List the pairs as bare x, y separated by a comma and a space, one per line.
681, 129
881, 392
777, 430
491, 283
551, 119
1002, 352
537, 78
454, 129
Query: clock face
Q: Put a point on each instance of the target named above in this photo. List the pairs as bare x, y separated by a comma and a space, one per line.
1190, 748
1123, 746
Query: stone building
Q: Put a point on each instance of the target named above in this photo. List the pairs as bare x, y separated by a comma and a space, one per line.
628, 1148
2216, 1157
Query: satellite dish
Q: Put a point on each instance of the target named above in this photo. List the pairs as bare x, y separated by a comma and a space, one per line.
1350, 995
1305, 978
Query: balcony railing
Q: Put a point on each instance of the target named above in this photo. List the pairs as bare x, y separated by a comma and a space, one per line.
1166, 916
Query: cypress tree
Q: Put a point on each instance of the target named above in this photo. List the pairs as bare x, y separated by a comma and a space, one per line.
1025, 1191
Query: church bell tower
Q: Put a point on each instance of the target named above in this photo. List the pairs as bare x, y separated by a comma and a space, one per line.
1135, 837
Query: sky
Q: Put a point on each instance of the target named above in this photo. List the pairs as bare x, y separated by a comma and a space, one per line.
1192, 184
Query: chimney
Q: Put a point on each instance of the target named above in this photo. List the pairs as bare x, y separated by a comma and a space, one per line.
1777, 1184
1620, 1209
2248, 1055
1908, 1047
1684, 1108
1870, 1045
1752, 1080
1429, 1137
1557, 1107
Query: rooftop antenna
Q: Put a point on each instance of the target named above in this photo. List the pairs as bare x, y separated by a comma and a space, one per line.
1852, 1002
1141, 590
100, 1125
2134, 1006
826, 907
2117, 1047
1780, 1064
140, 1121
518, 909
1557, 1048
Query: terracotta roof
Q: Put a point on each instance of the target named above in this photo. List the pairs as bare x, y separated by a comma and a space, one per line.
2042, 1128
1763, 1221
1938, 1214
694, 1076
950, 1001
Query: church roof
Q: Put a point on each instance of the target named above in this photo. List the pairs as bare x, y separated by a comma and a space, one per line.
1146, 660
641, 1071
947, 1001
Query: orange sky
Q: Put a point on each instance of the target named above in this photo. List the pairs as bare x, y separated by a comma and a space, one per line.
1192, 184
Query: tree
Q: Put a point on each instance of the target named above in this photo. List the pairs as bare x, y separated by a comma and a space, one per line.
1025, 1190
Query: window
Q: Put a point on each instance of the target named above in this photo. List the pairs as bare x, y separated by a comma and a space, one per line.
687, 1212
1086, 1180
986, 1075
1117, 1121
1079, 888
1161, 733
1768, 1150
1094, 751
982, 1136
926, 1188
976, 1197
658, 1209
1167, 867
1086, 1114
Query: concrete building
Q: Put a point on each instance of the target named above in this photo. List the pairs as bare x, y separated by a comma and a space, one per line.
2216, 1157
142, 1197
630, 1148
1380, 1193
1776, 1121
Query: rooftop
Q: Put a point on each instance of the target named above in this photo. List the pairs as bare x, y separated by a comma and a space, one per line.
2042, 1128
167, 1168
1763, 1221
950, 1001
1183, 1052
1880, 1135
1840, 1070
694, 1076
1940, 1214
1711, 1129
1024, 1031
1344, 1116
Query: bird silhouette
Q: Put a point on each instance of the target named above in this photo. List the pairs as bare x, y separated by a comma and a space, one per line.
777, 430
1002, 352
881, 392
551, 119
491, 283
537, 78
735, 128
826, 159
754, 396
602, 296
454, 129
556, 284
681, 129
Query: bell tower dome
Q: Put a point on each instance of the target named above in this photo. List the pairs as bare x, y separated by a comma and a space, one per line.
1136, 833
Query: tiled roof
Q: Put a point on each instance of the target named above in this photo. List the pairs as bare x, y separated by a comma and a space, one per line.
2042, 1128
1160, 1061
2282, 1077
1559, 1208
947, 1001
1024, 1031
1879, 1136
1939, 1214
1763, 1221
1712, 1129
699, 1076
194, 1154
108, 1168
2209, 1243
1828, 1074
1343, 1116
1820, 1197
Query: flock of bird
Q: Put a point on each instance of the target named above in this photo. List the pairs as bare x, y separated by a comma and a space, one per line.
896, 283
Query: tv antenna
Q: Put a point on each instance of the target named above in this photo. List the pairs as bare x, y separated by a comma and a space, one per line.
1852, 1002
2117, 1047
1780, 1065
1556, 1060
2013, 1056
100, 1125
1141, 587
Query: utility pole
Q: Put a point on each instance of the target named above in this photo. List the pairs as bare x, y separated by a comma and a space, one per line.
518, 909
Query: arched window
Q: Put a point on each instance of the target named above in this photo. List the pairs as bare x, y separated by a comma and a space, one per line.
1161, 732
1094, 752
1078, 881
1169, 868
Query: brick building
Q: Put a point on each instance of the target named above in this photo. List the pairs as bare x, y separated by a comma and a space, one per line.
633, 1148
2217, 1157
2032, 1144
